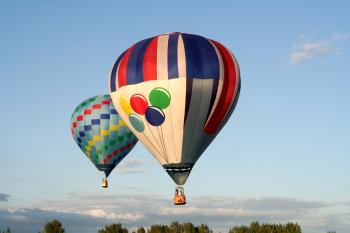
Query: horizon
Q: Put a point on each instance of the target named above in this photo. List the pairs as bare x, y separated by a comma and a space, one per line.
283, 156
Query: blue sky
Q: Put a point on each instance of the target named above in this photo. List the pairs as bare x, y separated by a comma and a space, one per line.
283, 156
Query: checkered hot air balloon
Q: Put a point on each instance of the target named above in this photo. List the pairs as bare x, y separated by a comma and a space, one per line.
101, 134
175, 92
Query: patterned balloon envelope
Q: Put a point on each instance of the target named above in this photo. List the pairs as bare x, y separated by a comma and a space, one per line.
100, 133
175, 91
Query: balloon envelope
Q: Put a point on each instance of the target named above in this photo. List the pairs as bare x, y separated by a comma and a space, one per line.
175, 92
100, 133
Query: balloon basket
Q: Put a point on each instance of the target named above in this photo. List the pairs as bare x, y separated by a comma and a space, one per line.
179, 197
104, 183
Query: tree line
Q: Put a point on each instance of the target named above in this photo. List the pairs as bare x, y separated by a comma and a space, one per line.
175, 227
55, 226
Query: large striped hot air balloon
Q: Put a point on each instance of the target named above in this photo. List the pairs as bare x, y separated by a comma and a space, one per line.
175, 92
101, 134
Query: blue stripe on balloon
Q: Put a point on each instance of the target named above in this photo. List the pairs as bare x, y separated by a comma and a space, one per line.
113, 111
134, 72
189, 84
113, 77
104, 116
201, 58
173, 71
95, 121
87, 127
139, 64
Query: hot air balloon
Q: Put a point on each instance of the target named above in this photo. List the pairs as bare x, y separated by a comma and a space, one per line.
175, 92
101, 134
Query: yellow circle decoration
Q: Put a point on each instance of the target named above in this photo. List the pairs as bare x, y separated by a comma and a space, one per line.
125, 104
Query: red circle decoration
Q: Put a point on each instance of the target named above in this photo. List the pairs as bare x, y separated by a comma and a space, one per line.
139, 103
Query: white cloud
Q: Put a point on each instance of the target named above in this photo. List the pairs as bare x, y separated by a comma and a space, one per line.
223, 212
304, 49
130, 165
100, 213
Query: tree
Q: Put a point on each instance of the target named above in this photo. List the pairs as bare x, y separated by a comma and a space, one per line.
7, 231
53, 227
188, 228
293, 228
140, 230
203, 228
255, 227
240, 229
159, 228
114, 228
176, 227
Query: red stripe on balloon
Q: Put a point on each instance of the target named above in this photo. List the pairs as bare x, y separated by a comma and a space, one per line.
87, 111
106, 102
80, 118
227, 92
123, 67
149, 67
96, 106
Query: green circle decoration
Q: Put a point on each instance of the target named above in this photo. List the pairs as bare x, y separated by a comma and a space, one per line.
160, 97
136, 122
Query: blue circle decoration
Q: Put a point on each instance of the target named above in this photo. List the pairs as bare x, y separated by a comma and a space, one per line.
154, 116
